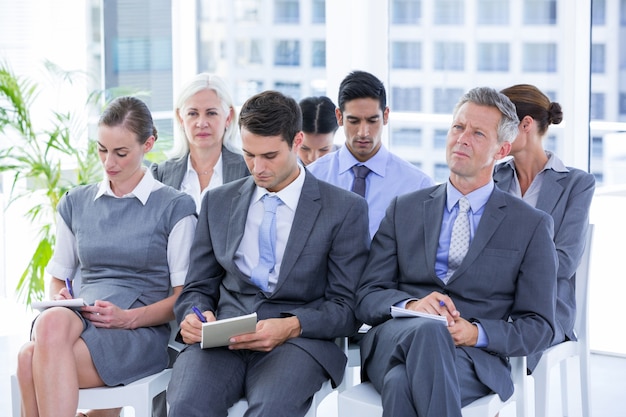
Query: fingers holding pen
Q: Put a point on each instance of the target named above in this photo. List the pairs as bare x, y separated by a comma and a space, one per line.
436, 303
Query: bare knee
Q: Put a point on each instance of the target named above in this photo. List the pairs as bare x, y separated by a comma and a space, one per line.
53, 327
25, 362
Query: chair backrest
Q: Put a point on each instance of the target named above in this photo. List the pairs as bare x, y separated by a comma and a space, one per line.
582, 289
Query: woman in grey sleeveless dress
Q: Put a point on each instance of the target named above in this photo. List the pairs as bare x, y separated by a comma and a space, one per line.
130, 238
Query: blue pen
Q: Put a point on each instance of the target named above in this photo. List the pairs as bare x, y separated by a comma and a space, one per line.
199, 314
68, 285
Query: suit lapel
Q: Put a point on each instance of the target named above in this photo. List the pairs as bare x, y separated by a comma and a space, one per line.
489, 223
239, 206
433, 213
551, 190
308, 209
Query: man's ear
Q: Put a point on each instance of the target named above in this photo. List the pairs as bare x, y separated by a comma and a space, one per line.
339, 116
297, 140
386, 115
503, 151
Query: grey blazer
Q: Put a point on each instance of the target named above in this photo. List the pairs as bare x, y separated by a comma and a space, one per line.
506, 281
172, 171
566, 196
325, 255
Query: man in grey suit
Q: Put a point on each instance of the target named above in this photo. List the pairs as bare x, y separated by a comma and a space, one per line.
499, 301
321, 249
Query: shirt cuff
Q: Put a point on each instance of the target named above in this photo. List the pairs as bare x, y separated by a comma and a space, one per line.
483, 341
402, 304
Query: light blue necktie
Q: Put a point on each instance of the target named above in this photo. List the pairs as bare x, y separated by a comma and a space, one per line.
267, 243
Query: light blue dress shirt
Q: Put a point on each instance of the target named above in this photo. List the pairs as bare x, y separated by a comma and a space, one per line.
391, 176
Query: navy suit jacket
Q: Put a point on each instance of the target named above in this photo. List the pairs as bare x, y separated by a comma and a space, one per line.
566, 196
326, 251
507, 280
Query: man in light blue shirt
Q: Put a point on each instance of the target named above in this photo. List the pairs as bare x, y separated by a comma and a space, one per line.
363, 112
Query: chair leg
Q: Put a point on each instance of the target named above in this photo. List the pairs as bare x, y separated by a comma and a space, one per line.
542, 394
584, 384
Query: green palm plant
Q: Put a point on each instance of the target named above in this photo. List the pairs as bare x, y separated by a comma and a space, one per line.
40, 156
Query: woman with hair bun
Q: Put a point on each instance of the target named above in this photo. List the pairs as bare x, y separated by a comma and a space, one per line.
541, 179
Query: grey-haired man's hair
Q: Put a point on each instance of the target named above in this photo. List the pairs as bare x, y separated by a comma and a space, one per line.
486, 96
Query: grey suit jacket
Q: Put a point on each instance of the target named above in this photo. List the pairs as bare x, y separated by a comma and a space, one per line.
172, 171
566, 196
325, 255
506, 281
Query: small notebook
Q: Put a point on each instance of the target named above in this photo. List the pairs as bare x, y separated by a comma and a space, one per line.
70, 303
403, 312
218, 333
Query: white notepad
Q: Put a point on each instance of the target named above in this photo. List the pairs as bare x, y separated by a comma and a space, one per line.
70, 303
218, 333
403, 312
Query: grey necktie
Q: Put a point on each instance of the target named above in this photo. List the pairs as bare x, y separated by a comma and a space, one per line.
460, 238
360, 173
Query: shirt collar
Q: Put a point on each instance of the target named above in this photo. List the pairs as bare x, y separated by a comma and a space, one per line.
477, 198
290, 195
377, 163
141, 191
554, 163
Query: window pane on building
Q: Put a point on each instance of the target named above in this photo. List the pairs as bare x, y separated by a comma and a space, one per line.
445, 99
597, 58
492, 57
540, 12
449, 56
440, 137
291, 89
318, 52
249, 52
598, 12
596, 106
318, 9
411, 137
287, 53
406, 55
492, 12
287, 11
406, 99
406, 12
449, 12
539, 57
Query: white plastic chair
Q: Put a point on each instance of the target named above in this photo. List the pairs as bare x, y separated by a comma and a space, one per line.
364, 401
240, 407
565, 353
